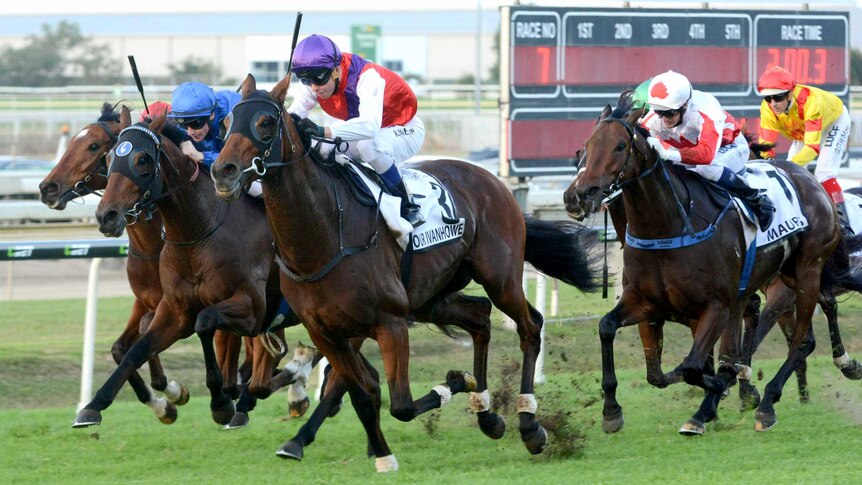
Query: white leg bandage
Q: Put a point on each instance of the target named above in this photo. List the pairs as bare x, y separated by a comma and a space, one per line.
174, 391
743, 372
385, 464
527, 403
480, 401
444, 392
842, 362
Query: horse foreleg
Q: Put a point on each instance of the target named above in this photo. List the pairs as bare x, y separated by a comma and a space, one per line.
801, 346
849, 367
652, 340
748, 393
161, 334
228, 347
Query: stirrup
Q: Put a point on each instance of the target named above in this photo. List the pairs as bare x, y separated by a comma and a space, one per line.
413, 216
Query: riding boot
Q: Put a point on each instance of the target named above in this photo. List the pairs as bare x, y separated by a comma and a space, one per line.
409, 209
756, 199
844, 218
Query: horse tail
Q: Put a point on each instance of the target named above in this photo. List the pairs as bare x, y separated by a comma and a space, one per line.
842, 270
564, 250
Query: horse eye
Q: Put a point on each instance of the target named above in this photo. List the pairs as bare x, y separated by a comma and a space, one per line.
143, 164
94, 147
621, 146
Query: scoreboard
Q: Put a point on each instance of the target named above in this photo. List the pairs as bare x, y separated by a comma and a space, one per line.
561, 66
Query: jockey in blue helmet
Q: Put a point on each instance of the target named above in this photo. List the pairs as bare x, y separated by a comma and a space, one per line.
377, 109
200, 110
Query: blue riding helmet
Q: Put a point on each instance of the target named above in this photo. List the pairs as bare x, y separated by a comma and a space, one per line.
315, 52
192, 100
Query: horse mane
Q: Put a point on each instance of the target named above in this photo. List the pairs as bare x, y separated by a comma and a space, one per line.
625, 104
110, 113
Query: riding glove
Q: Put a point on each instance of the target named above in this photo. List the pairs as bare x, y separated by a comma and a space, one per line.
175, 134
664, 153
311, 128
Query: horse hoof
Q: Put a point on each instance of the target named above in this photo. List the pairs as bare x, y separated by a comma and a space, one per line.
853, 371
764, 421
239, 420
750, 400
291, 450
184, 396
692, 427
536, 442
87, 417
170, 414
223, 415
492, 424
298, 408
612, 424
460, 381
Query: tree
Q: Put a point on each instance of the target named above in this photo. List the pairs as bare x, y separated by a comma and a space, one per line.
56, 56
195, 69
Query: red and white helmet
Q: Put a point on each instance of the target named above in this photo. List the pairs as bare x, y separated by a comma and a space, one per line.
775, 80
669, 90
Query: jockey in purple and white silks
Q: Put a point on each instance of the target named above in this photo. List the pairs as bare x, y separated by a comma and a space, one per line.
376, 106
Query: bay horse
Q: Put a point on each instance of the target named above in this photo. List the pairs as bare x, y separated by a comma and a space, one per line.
83, 170
343, 273
216, 264
665, 284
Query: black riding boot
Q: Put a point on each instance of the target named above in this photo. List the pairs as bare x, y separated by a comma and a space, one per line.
756, 199
844, 218
409, 210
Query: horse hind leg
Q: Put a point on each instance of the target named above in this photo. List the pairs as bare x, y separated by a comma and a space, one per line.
848, 366
175, 392
473, 315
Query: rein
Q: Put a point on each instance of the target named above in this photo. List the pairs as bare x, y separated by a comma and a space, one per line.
266, 164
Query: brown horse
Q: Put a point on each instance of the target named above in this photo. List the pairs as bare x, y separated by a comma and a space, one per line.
209, 275
664, 284
83, 170
342, 271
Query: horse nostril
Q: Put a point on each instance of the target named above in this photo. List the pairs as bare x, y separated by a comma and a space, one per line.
49, 188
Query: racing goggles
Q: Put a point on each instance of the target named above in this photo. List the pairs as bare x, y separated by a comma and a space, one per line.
193, 123
666, 113
314, 76
776, 97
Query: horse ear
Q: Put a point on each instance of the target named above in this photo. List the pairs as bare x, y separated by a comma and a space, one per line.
125, 117
279, 92
605, 113
158, 123
249, 85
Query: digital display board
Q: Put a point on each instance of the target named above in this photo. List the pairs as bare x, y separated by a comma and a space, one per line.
563, 65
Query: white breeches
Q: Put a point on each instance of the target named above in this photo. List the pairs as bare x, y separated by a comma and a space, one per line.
833, 147
393, 144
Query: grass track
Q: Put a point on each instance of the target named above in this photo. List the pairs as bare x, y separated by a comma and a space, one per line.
40, 355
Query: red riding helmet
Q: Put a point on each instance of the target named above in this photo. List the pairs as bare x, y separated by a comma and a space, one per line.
775, 80
156, 108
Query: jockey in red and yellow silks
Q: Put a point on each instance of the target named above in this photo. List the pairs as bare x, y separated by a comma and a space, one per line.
815, 120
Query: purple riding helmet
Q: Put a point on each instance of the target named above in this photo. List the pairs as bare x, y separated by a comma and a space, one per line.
315, 52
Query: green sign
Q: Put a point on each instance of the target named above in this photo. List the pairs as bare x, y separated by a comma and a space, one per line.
365, 41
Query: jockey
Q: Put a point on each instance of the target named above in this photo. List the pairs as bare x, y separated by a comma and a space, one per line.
200, 111
376, 106
817, 122
691, 129
156, 108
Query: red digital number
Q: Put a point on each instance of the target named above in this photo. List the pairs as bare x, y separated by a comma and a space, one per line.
799, 62
545, 55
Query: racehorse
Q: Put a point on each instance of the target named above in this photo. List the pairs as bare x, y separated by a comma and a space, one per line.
83, 170
344, 276
209, 274
664, 284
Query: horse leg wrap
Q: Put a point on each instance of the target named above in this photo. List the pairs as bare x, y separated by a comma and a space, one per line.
527, 403
444, 392
842, 361
480, 401
173, 391
743, 372
296, 392
385, 464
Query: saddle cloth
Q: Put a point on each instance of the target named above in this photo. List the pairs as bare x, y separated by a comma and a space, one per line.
436, 205
853, 203
788, 219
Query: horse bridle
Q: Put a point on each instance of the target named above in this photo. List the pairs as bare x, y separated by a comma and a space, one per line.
100, 169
